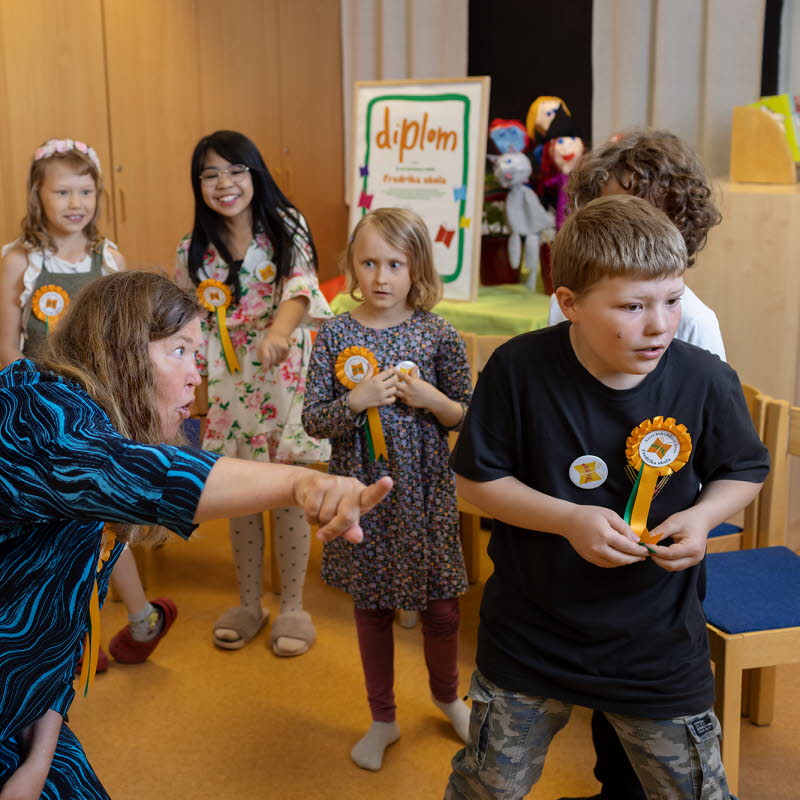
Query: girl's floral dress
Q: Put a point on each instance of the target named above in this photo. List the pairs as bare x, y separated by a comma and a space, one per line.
256, 413
411, 551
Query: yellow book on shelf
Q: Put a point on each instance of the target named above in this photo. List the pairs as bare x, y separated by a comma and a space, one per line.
783, 106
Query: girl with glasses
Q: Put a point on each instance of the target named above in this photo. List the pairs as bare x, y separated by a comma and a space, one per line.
252, 261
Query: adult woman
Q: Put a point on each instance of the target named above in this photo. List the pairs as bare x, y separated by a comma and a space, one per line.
80, 446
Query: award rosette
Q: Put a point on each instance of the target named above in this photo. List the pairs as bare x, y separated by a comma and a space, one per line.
216, 296
48, 304
655, 450
353, 365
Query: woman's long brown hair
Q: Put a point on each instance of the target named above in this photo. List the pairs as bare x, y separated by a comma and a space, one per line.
102, 344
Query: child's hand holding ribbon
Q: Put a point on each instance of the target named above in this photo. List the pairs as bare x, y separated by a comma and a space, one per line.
688, 530
601, 537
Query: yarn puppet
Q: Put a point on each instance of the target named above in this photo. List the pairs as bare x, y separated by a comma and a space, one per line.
507, 135
541, 113
562, 149
525, 216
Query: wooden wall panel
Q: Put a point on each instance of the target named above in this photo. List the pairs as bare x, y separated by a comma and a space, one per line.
311, 121
143, 81
154, 93
239, 76
52, 84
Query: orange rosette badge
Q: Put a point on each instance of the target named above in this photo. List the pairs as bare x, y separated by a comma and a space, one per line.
353, 365
48, 304
656, 448
216, 296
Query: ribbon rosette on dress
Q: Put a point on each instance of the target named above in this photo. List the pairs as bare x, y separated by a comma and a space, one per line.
354, 365
216, 296
48, 304
655, 450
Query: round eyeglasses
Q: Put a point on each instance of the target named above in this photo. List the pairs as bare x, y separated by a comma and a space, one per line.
237, 173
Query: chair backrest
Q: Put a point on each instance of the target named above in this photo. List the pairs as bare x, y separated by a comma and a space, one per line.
782, 438
471, 347
757, 406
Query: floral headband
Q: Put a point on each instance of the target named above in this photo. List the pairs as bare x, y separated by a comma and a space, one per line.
54, 146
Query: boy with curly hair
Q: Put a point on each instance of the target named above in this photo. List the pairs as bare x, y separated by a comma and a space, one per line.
661, 168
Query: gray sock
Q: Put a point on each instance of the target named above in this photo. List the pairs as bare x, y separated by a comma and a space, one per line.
146, 624
368, 751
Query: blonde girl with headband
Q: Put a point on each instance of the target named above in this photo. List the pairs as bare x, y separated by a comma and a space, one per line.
58, 252
387, 382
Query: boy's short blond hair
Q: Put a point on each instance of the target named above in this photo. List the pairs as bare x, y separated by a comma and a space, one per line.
407, 231
616, 236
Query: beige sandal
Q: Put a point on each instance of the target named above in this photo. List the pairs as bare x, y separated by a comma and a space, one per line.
242, 622
292, 625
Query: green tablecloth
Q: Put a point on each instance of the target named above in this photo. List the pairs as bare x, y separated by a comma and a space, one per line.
505, 310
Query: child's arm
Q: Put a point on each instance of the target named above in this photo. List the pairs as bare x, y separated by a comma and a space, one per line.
599, 535
27, 781
328, 411
119, 260
11, 286
300, 294
447, 398
718, 501
418, 393
274, 347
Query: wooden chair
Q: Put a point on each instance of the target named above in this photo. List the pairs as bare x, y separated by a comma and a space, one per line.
730, 536
753, 599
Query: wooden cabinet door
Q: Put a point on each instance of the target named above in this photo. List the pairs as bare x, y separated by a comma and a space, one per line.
52, 85
311, 122
155, 115
179, 70
238, 40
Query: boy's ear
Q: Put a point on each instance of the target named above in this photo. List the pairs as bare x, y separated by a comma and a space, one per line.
566, 301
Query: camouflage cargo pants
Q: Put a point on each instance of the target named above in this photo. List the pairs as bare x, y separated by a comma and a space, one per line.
509, 733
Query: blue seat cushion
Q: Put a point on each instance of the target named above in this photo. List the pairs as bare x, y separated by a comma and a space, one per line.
191, 430
753, 590
724, 529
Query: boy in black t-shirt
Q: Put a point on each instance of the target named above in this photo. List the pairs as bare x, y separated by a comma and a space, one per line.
588, 443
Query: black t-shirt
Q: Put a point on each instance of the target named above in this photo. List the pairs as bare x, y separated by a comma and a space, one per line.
629, 639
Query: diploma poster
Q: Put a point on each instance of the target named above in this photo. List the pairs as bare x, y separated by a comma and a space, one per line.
422, 145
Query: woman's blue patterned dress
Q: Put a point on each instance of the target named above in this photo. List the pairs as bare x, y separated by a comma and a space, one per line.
64, 472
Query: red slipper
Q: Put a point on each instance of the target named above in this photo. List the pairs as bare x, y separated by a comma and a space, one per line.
102, 662
128, 650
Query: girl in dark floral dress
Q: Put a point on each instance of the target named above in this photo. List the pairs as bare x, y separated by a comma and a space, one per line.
386, 383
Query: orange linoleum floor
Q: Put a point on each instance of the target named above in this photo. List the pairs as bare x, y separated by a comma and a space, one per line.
198, 722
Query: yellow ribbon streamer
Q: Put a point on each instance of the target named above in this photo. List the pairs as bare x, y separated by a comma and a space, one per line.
91, 647
216, 296
353, 365
376, 431
657, 447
